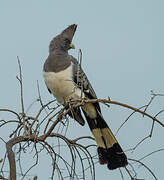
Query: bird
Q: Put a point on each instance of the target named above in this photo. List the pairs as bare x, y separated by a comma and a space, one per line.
66, 80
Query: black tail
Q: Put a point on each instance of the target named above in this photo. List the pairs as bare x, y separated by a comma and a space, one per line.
109, 150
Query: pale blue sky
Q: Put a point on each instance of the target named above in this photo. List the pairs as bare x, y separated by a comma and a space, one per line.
123, 56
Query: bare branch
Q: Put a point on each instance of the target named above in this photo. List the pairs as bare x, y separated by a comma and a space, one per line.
45, 132
21, 91
145, 167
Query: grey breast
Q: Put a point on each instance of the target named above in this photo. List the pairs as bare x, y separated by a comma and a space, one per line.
56, 63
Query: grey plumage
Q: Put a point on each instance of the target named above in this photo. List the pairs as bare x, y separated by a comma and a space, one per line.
56, 62
65, 80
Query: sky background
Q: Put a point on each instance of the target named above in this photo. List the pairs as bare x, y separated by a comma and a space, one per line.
123, 57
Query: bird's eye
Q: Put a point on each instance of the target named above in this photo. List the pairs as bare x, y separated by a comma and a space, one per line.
67, 41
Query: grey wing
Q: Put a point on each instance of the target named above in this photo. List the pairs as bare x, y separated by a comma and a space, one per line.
81, 80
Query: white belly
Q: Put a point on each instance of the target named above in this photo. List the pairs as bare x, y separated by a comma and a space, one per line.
61, 85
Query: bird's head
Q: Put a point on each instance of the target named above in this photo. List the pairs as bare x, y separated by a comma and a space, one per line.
63, 41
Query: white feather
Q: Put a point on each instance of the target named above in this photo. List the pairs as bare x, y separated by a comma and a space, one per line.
62, 85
